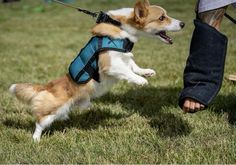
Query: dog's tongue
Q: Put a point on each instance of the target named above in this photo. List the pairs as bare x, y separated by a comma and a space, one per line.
163, 35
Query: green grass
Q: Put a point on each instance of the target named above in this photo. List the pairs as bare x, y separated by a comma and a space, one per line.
128, 125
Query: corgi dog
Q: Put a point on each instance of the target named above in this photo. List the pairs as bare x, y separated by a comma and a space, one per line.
54, 100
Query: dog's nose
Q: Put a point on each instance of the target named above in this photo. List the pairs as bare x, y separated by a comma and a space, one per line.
182, 24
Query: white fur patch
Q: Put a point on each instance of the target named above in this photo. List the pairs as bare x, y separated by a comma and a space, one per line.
63, 111
37, 133
46, 122
122, 12
132, 38
120, 69
12, 88
129, 29
174, 26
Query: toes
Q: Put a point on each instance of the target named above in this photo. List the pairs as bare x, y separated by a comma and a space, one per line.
149, 73
202, 107
36, 139
197, 106
141, 81
191, 106
186, 106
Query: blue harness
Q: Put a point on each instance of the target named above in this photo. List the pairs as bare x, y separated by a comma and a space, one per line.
85, 66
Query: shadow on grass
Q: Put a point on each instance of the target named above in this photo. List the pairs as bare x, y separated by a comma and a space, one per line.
227, 104
169, 125
148, 102
152, 103
19, 123
91, 119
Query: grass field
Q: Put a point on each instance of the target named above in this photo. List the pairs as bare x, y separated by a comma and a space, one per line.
130, 124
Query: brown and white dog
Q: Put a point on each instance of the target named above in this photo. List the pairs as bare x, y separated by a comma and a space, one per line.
53, 101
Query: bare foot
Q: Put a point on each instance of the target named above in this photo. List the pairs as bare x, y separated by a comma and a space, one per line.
191, 106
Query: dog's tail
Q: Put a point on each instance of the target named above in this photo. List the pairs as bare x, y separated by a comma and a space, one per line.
25, 92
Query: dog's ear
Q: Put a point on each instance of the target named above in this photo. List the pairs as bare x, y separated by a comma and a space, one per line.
147, 3
141, 11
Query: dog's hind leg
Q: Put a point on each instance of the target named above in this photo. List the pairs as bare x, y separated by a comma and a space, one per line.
47, 115
41, 125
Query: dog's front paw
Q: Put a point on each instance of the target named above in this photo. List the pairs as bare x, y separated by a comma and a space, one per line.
36, 138
148, 72
141, 81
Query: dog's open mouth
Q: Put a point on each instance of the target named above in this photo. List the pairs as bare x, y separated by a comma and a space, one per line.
166, 38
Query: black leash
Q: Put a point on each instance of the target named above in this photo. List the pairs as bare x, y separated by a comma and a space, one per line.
77, 8
101, 16
230, 18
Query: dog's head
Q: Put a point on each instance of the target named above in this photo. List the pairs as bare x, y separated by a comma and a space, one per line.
150, 19
154, 20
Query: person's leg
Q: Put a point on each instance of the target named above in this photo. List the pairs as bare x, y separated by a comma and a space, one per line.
212, 18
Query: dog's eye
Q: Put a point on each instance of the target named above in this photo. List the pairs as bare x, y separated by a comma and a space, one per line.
162, 18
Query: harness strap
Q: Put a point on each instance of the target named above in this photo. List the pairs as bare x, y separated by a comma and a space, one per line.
100, 39
103, 17
128, 45
88, 68
91, 71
